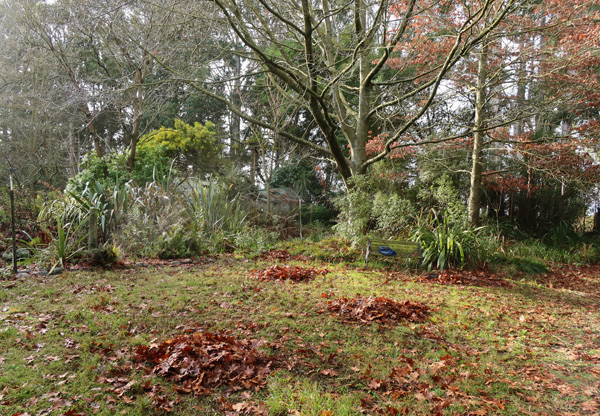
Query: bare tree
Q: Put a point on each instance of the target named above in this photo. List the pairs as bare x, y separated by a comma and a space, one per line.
333, 58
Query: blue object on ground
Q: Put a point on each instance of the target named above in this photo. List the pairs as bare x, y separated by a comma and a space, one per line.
386, 251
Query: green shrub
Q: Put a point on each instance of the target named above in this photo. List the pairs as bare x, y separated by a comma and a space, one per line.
64, 207
177, 243
109, 205
529, 266
107, 255
355, 209
63, 222
449, 244
317, 232
586, 253
580, 250
317, 214
253, 241
561, 235
301, 176
393, 213
212, 210
441, 194
155, 224
68, 242
108, 171
158, 155
373, 203
184, 145
166, 223
39, 252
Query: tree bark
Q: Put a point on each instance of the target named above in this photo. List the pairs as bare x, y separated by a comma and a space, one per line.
478, 137
253, 164
235, 139
91, 130
138, 110
73, 151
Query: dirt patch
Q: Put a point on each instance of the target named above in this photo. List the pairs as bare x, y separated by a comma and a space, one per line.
293, 273
378, 309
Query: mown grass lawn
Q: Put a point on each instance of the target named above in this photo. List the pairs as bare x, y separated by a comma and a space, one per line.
519, 346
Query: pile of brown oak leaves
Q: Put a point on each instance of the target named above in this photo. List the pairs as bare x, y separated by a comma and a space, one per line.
201, 361
293, 273
380, 309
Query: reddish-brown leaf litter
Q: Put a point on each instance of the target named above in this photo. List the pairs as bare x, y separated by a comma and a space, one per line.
276, 255
425, 380
201, 361
379, 309
483, 278
283, 256
293, 273
583, 279
575, 278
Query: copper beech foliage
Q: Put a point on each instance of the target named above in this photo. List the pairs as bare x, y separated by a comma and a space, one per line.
293, 273
378, 308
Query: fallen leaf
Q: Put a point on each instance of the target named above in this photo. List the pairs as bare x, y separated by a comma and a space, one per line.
238, 407
420, 397
374, 384
590, 405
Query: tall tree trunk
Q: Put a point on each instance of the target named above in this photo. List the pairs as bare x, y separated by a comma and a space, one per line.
138, 110
253, 164
268, 188
479, 134
235, 133
540, 121
91, 129
267, 176
358, 149
521, 98
73, 151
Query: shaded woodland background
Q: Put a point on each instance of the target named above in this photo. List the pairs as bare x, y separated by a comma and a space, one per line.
385, 117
